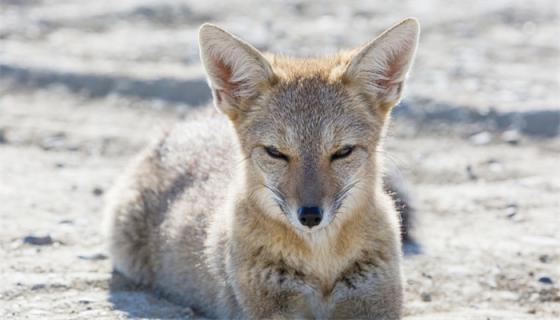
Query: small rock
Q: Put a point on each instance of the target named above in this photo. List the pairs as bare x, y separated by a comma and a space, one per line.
3, 136
426, 297
38, 286
481, 138
544, 258
84, 302
512, 137
53, 142
546, 280
94, 257
38, 240
511, 210
470, 173
494, 165
97, 191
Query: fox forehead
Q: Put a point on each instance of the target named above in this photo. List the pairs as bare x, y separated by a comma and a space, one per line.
311, 111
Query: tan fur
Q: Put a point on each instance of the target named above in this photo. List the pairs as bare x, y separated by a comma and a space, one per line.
208, 217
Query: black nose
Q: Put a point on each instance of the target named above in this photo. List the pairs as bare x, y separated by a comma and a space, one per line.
310, 216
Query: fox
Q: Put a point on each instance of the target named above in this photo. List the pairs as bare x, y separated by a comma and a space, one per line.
274, 206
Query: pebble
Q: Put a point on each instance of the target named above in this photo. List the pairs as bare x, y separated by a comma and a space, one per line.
471, 174
494, 165
481, 138
426, 297
544, 258
511, 210
54, 142
545, 280
97, 191
3, 136
38, 286
511, 137
38, 240
93, 257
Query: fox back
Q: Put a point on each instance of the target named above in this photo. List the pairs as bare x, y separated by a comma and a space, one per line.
280, 211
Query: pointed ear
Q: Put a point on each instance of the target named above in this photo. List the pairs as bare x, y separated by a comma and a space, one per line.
380, 67
236, 70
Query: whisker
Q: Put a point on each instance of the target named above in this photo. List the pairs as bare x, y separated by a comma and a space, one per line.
243, 159
342, 195
279, 198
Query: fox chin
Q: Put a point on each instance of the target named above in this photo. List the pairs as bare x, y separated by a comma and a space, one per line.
275, 206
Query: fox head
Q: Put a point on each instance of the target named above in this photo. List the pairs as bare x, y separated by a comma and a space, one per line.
309, 129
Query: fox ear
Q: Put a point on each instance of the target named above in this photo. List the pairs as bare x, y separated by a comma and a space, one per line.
236, 70
380, 67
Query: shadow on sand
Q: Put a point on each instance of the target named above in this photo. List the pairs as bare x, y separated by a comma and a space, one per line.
136, 301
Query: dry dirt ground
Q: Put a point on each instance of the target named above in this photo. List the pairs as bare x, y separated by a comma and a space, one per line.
85, 85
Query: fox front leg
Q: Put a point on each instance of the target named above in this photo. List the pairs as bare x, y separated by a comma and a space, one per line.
367, 291
269, 290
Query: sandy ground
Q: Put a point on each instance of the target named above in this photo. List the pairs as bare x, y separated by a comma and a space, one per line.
85, 85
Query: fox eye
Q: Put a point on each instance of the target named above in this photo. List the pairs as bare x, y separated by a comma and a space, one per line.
274, 153
342, 153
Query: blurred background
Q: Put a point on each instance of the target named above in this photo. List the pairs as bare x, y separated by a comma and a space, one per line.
84, 85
